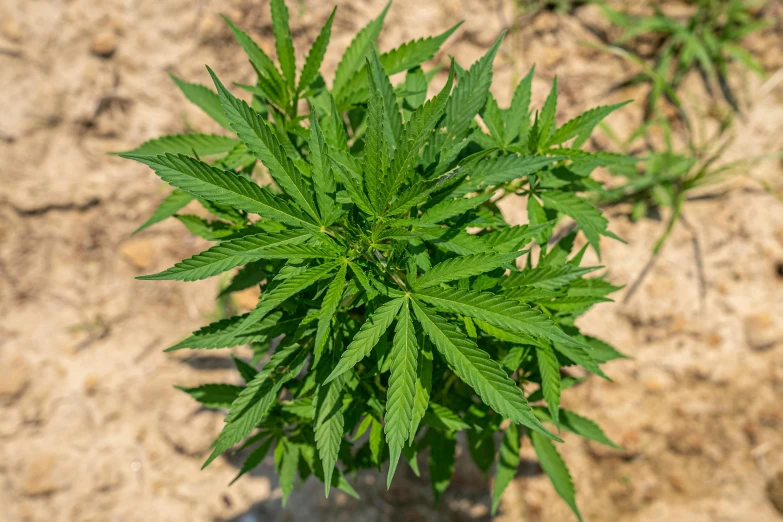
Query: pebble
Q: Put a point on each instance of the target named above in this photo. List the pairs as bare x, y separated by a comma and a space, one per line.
138, 252
104, 44
43, 476
760, 332
16, 377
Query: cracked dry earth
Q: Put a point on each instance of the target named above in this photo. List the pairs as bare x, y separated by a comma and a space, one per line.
90, 426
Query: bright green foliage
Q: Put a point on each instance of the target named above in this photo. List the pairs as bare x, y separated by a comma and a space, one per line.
380, 315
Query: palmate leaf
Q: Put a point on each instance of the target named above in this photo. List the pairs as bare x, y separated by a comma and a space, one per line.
549, 368
375, 145
253, 403
255, 458
452, 207
578, 425
289, 463
367, 336
546, 122
260, 139
500, 311
589, 219
415, 52
422, 386
444, 419
508, 462
321, 170
214, 395
189, 144
462, 267
289, 287
392, 122
204, 98
354, 57
517, 117
262, 63
168, 207
548, 277
470, 94
328, 308
476, 368
223, 333
329, 426
553, 465
581, 126
402, 388
283, 42
236, 252
316, 55
223, 187
502, 169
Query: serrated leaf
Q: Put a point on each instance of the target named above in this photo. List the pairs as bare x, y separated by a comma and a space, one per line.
375, 146
247, 372
221, 186
255, 458
462, 267
450, 208
263, 64
236, 252
422, 387
581, 126
415, 52
555, 468
517, 117
546, 122
329, 426
402, 388
367, 336
579, 425
476, 368
471, 93
441, 463
168, 207
354, 57
493, 119
288, 288
508, 462
500, 311
287, 471
260, 139
589, 219
223, 333
254, 401
547, 277
316, 55
321, 169
190, 144
283, 42
502, 169
205, 98
328, 308
246, 277
444, 419
214, 395
392, 120
549, 368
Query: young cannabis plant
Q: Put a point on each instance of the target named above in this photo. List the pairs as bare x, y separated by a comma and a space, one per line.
379, 312
706, 42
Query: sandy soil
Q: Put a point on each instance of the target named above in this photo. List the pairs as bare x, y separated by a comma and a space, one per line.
90, 426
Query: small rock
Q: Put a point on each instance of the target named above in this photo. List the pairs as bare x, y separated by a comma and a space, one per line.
760, 332
751, 430
138, 252
16, 377
686, 443
91, 385
677, 483
104, 44
44, 475
12, 30
775, 491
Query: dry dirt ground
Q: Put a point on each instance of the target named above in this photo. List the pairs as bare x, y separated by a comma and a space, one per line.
90, 426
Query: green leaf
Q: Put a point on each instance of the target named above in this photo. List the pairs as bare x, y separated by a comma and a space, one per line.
247, 372
579, 425
476, 368
471, 93
517, 117
442, 463
508, 462
548, 277
500, 311
170, 206
493, 118
444, 419
223, 333
260, 139
549, 368
288, 467
553, 465
329, 425
254, 401
262, 63
375, 146
288, 288
589, 219
193, 144
462, 267
316, 55
328, 308
205, 98
221, 186
422, 387
321, 170
367, 336
450, 208
581, 126
376, 442
283, 42
415, 52
392, 120
502, 169
236, 252
214, 395
402, 388
546, 122
354, 57
255, 458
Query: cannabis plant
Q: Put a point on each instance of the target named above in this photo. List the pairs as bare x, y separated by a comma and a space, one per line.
397, 308
706, 42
